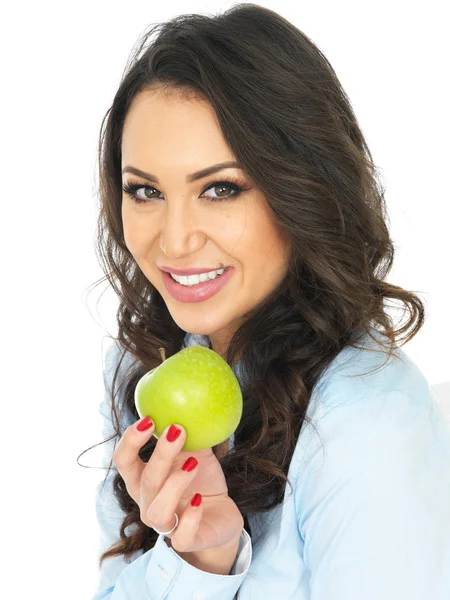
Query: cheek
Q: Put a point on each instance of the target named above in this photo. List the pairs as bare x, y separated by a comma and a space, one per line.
129, 234
138, 236
267, 246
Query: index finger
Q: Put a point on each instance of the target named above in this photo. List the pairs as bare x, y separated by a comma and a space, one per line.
126, 455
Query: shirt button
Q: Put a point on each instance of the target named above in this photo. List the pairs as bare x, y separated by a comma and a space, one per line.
199, 596
165, 575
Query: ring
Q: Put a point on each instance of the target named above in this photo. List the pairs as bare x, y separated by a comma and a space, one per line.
167, 532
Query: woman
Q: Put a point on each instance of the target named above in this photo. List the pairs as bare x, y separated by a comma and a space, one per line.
336, 483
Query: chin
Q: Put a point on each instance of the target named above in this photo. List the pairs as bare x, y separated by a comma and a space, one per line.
192, 323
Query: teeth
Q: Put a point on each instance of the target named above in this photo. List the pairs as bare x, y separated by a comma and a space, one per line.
190, 280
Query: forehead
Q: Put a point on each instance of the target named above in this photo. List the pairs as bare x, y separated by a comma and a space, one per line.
172, 132
168, 133
171, 115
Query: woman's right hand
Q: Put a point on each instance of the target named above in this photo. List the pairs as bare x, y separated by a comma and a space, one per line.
161, 487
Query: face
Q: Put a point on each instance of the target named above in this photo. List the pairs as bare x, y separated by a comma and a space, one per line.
202, 223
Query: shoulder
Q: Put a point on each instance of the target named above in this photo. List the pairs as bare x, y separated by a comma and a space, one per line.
360, 378
365, 407
371, 477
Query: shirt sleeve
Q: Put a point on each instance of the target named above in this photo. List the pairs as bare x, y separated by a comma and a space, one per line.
160, 572
373, 501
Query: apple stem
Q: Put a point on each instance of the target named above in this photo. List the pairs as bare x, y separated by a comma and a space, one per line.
163, 354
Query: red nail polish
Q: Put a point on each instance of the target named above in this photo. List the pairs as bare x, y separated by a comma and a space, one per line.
196, 500
190, 464
173, 433
145, 424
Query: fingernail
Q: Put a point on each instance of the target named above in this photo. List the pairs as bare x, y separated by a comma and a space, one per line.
144, 424
190, 464
173, 433
196, 500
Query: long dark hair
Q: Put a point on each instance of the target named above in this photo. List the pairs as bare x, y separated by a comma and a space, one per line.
288, 121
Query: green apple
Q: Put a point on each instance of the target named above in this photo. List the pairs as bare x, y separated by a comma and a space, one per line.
195, 388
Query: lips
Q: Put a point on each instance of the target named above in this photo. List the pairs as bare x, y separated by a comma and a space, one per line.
196, 293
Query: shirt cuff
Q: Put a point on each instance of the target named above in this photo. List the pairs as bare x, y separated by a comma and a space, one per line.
169, 576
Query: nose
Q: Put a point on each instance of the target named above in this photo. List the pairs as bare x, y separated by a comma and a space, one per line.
179, 233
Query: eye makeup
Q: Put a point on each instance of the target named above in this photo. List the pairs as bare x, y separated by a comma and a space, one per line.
130, 188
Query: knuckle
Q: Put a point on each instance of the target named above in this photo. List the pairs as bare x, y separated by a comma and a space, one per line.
144, 516
149, 487
179, 545
118, 459
152, 518
158, 516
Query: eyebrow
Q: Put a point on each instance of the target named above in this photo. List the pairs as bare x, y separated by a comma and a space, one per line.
189, 178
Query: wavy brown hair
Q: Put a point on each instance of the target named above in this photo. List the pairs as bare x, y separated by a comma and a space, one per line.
286, 118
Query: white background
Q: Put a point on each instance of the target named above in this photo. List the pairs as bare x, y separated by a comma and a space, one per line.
61, 65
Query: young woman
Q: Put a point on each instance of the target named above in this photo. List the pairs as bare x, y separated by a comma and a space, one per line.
231, 148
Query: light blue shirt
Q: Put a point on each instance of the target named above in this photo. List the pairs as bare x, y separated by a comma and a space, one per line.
369, 518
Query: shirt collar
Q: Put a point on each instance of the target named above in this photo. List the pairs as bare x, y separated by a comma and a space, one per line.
196, 339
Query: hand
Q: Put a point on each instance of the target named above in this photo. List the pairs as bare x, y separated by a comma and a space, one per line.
160, 487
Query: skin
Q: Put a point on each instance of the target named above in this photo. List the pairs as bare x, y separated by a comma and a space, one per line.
207, 537
171, 135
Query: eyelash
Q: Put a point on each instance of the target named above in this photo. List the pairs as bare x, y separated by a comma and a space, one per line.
132, 187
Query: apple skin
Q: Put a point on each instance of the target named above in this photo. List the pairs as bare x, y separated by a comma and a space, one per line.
197, 389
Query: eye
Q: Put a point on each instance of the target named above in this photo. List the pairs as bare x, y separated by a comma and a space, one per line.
221, 185
131, 188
